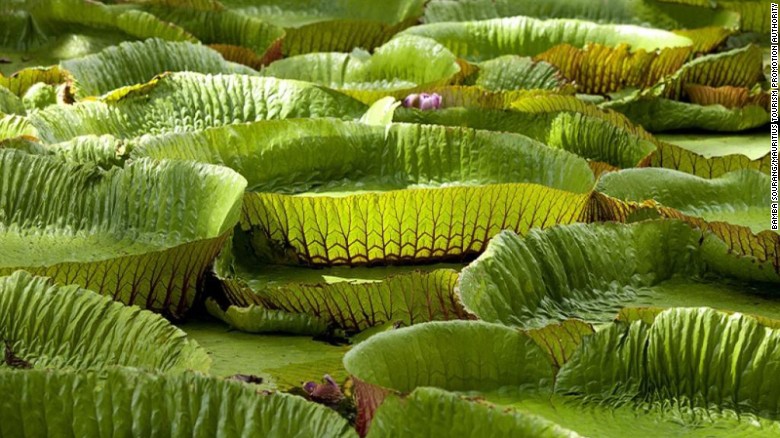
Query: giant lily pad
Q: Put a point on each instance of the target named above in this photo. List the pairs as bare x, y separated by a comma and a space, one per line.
133, 63
678, 373
716, 88
754, 14
48, 31
754, 145
345, 203
658, 114
396, 68
431, 412
603, 136
46, 325
45, 32
591, 271
740, 197
487, 39
587, 135
740, 67
656, 13
189, 101
127, 402
281, 298
512, 72
333, 26
601, 69
142, 235
348, 204
239, 37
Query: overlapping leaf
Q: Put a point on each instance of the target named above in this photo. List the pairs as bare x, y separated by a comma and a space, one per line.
334, 26
739, 68
511, 72
396, 68
430, 412
582, 128
599, 69
487, 39
345, 202
43, 32
750, 145
133, 63
21, 81
740, 197
658, 114
13, 125
707, 158
353, 299
191, 101
656, 13
695, 95
587, 135
240, 38
754, 14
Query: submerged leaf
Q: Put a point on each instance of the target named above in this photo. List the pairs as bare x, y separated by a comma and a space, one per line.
256, 319
281, 360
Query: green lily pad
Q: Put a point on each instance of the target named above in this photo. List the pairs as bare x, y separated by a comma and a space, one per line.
753, 144
685, 372
592, 271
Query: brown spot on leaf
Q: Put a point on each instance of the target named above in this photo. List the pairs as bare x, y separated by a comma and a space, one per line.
14, 361
246, 378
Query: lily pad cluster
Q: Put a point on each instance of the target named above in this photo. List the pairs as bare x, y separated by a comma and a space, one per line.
402, 218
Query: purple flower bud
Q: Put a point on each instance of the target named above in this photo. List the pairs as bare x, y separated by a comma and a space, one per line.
430, 101
309, 387
329, 379
436, 100
411, 101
